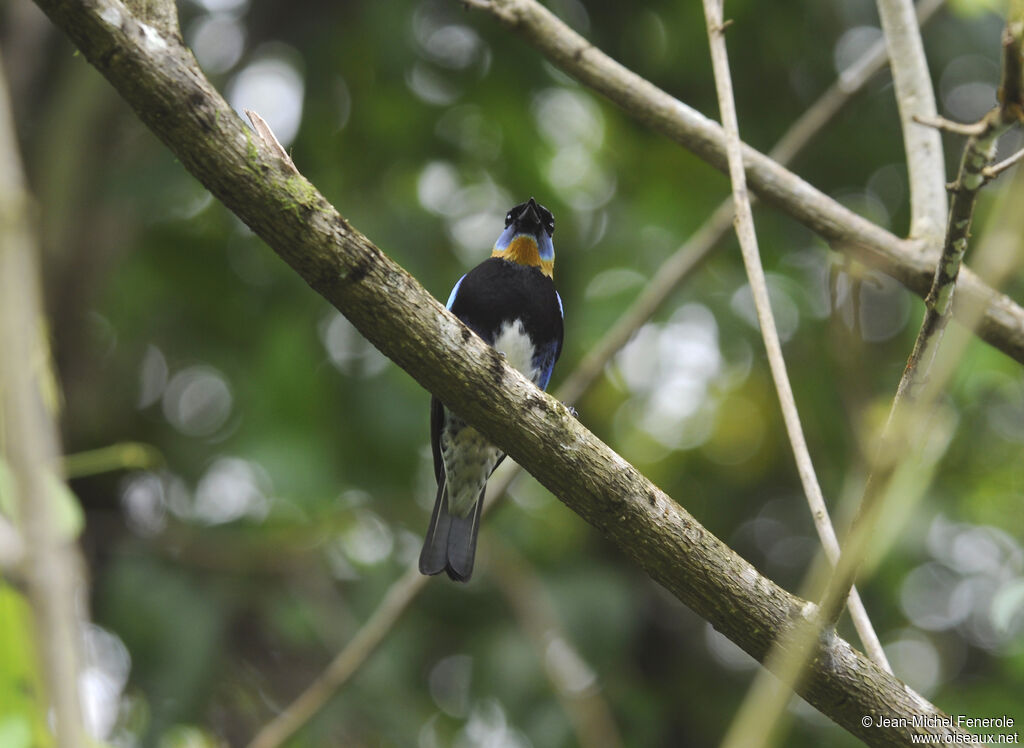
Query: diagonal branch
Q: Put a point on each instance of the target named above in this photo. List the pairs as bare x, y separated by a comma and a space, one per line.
160, 79
299, 712
1002, 324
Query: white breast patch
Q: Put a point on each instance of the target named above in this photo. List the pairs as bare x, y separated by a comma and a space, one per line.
515, 343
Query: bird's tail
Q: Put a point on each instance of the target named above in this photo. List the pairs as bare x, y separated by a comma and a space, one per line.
450, 544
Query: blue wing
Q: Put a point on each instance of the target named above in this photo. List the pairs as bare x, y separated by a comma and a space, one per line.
455, 292
544, 357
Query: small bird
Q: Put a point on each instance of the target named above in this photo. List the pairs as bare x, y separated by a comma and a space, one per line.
510, 301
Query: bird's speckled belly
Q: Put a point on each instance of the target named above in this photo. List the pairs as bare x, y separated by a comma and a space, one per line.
468, 461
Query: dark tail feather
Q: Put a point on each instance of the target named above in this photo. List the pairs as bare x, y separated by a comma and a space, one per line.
450, 545
462, 542
434, 556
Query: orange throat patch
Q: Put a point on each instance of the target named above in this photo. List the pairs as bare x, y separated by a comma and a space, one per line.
523, 250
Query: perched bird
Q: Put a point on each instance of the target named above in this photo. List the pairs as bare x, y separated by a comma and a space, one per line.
510, 301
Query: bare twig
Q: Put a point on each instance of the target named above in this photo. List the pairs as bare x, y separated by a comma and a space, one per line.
28, 436
926, 168
369, 635
773, 347
991, 172
948, 125
978, 153
588, 713
746, 730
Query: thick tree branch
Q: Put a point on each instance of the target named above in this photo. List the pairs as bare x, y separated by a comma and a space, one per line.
160, 14
1002, 324
926, 168
160, 79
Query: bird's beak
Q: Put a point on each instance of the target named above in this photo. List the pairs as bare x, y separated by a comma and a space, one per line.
529, 219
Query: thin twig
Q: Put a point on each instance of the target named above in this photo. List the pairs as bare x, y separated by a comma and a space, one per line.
743, 730
947, 125
588, 712
991, 172
912, 82
28, 435
759, 289
978, 153
366, 639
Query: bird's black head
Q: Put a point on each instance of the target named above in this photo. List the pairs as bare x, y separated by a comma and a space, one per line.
530, 217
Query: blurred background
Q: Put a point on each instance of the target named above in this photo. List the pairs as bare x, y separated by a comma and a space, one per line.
284, 479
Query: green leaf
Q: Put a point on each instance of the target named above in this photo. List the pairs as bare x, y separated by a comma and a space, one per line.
22, 700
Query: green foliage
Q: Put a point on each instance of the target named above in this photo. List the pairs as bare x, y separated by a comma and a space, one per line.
22, 698
295, 477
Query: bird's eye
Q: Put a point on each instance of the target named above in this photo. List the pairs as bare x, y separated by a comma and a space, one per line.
508, 218
550, 226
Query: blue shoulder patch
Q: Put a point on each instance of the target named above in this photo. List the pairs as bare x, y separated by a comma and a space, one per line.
455, 291
560, 308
